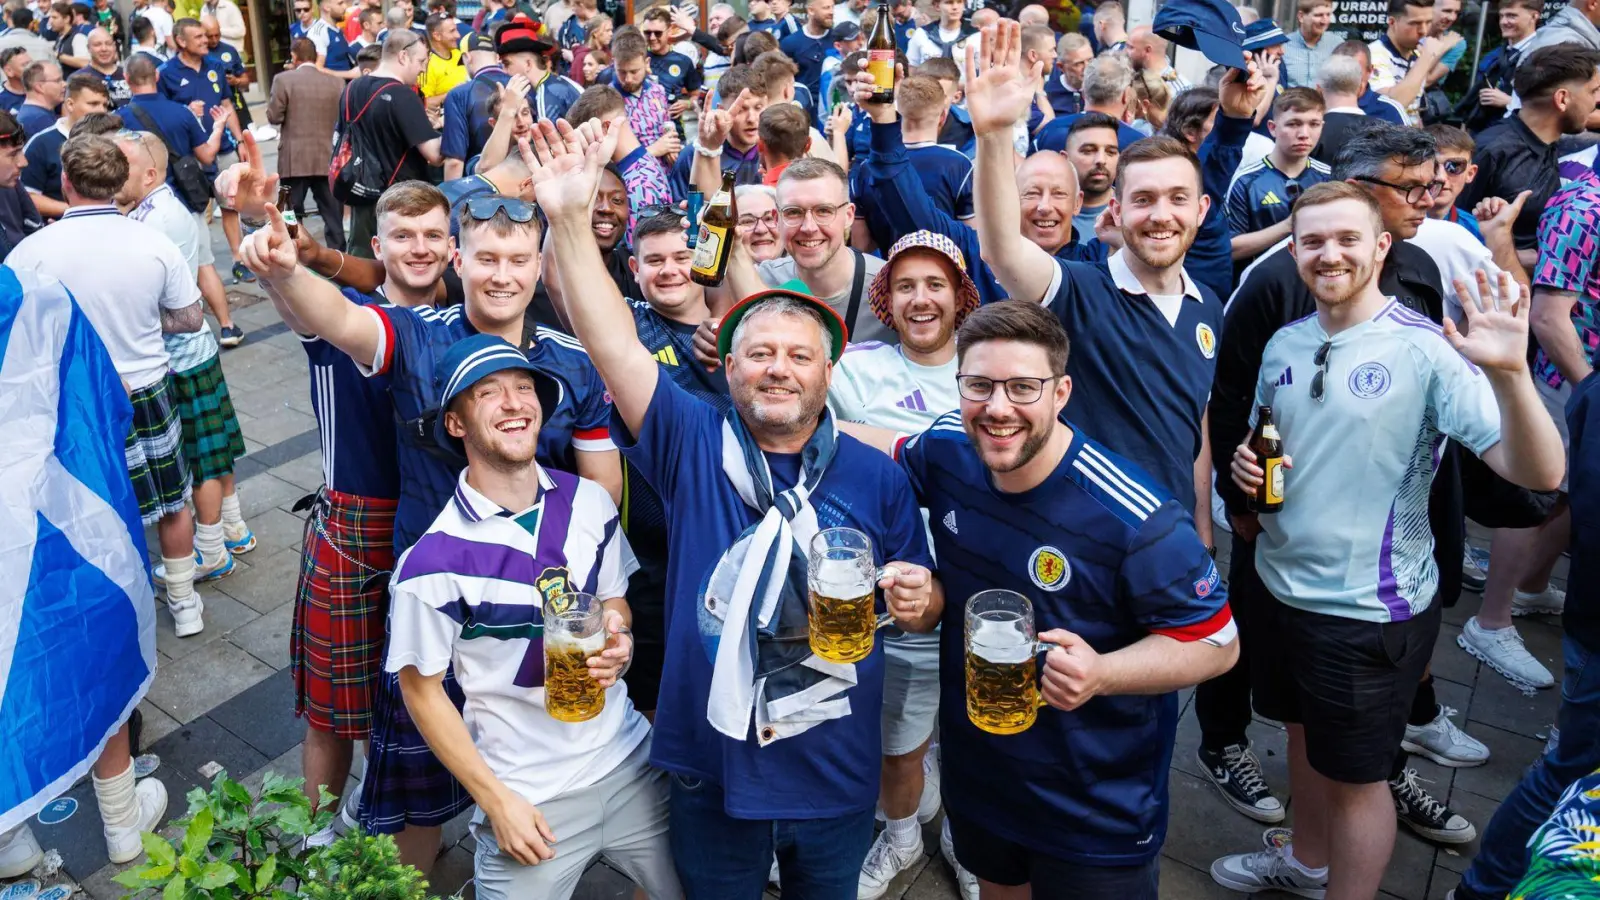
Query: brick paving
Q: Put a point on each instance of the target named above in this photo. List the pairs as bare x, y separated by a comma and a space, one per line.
224, 698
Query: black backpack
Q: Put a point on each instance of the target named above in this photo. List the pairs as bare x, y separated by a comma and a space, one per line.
189, 180
352, 175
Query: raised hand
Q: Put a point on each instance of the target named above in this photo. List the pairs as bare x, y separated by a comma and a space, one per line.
999, 90
246, 186
839, 121
271, 252
715, 123
1497, 323
1241, 92
1496, 215
564, 177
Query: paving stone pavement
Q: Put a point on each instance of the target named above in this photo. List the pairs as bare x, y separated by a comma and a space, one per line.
225, 698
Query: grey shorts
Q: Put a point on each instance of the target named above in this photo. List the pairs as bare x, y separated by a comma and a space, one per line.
207, 257
1555, 400
910, 692
622, 817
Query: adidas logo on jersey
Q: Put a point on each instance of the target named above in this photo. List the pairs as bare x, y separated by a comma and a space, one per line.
1271, 199
1287, 378
913, 401
667, 356
950, 521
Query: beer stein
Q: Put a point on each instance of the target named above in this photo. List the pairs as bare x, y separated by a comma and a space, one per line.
843, 581
1002, 662
574, 630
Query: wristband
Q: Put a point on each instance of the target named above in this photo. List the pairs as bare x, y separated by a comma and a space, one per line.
708, 154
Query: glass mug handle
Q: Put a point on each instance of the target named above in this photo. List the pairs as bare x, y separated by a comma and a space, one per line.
879, 574
1038, 648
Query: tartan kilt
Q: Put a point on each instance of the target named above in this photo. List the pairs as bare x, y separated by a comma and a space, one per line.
211, 436
405, 784
153, 451
341, 601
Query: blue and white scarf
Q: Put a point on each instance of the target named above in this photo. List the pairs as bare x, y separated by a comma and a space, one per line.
753, 618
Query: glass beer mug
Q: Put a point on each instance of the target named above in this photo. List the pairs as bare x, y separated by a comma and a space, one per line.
843, 581
574, 630
1002, 662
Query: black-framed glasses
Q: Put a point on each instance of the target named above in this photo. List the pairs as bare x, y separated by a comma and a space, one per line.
1318, 381
1021, 390
1412, 192
482, 209
1454, 167
795, 216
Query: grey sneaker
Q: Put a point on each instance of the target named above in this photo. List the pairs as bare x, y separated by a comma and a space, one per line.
1444, 743
1503, 651
1266, 870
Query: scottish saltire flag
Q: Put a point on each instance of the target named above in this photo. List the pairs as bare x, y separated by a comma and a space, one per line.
77, 615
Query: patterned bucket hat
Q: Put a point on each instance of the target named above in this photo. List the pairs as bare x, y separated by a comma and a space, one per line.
966, 291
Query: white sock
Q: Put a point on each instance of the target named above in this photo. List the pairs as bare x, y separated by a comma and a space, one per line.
208, 540
1316, 874
902, 833
180, 580
119, 806
231, 516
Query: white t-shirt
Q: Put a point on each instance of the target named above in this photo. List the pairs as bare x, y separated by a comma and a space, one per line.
447, 608
167, 214
137, 271
160, 20
874, 384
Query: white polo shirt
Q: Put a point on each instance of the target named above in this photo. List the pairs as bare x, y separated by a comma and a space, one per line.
122, 273
472, 591
162, 210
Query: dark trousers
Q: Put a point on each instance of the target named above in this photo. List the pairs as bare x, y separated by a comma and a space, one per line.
1222, 705
363, 228
328, 206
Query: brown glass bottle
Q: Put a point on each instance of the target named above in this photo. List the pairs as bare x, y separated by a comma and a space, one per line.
286, 210
1267, 445
880, 54
717, 234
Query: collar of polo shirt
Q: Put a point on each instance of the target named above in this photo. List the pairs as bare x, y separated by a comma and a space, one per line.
475, 507
1129, 283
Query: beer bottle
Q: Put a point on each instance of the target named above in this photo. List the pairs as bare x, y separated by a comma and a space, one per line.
880, 54
717, 234
286, 209
1268, 448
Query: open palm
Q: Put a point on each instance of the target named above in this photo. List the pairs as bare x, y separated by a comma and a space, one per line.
565, 163
998, 89
1497, 325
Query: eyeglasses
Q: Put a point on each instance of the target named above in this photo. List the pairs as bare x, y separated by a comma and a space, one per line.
750, 221
482, 209
1021, 390
1412, 192
1454, 167
1317, 380
795, 216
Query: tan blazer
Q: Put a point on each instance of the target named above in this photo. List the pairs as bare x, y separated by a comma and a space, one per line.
305, 107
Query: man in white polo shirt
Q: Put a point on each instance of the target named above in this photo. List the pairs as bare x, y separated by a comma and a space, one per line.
556, 795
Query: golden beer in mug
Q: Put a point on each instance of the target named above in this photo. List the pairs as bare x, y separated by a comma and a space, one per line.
1002, 662
843, 582
573, 632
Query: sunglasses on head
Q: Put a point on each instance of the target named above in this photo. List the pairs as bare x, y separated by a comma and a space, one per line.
482, 209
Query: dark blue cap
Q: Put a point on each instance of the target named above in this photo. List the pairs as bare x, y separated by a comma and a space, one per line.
846, 31
1263, 33
1211, 27
471, 359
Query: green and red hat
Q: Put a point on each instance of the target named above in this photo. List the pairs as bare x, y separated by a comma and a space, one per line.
793, 289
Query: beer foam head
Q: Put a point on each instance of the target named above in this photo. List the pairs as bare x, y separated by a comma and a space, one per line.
1000, 642
840, 578
591, 645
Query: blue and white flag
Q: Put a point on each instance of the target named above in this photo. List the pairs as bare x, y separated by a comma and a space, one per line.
77, 613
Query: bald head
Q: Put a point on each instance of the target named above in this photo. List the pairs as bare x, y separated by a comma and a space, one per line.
985, 17
1033, 14
1048, 186
1146, 49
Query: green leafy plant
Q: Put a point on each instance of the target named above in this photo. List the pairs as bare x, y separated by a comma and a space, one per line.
362, 867
235, 846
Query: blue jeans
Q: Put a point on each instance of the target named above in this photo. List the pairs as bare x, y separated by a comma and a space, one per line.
1503, 855
723, 858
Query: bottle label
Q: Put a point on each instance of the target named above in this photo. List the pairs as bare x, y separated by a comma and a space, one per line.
1274, 480
880, 64
706, 249
289, 218
1270, 432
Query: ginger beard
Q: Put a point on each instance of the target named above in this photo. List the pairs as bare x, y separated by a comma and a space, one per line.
1158, 207
922, 299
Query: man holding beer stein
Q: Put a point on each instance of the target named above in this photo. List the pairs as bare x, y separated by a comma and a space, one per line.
520, 582
1051, 544
767, 722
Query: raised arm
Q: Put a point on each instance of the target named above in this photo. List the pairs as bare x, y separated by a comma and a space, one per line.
513, 98
316, 304
565, 177
998, 95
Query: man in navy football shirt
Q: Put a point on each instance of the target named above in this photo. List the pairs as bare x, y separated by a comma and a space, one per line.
801, 779
1263, 192
1119, 583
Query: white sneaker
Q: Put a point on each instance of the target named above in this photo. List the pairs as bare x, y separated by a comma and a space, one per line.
187, 616
966, 882
772, 874
122, 843
19, 852
204, 571
1502, 650
1266, 870
928, 806
884, 861
1550, 601
1444, 743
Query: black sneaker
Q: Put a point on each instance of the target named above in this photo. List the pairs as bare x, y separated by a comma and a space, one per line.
231, 336
242, 275
1430, 819
1237, 774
